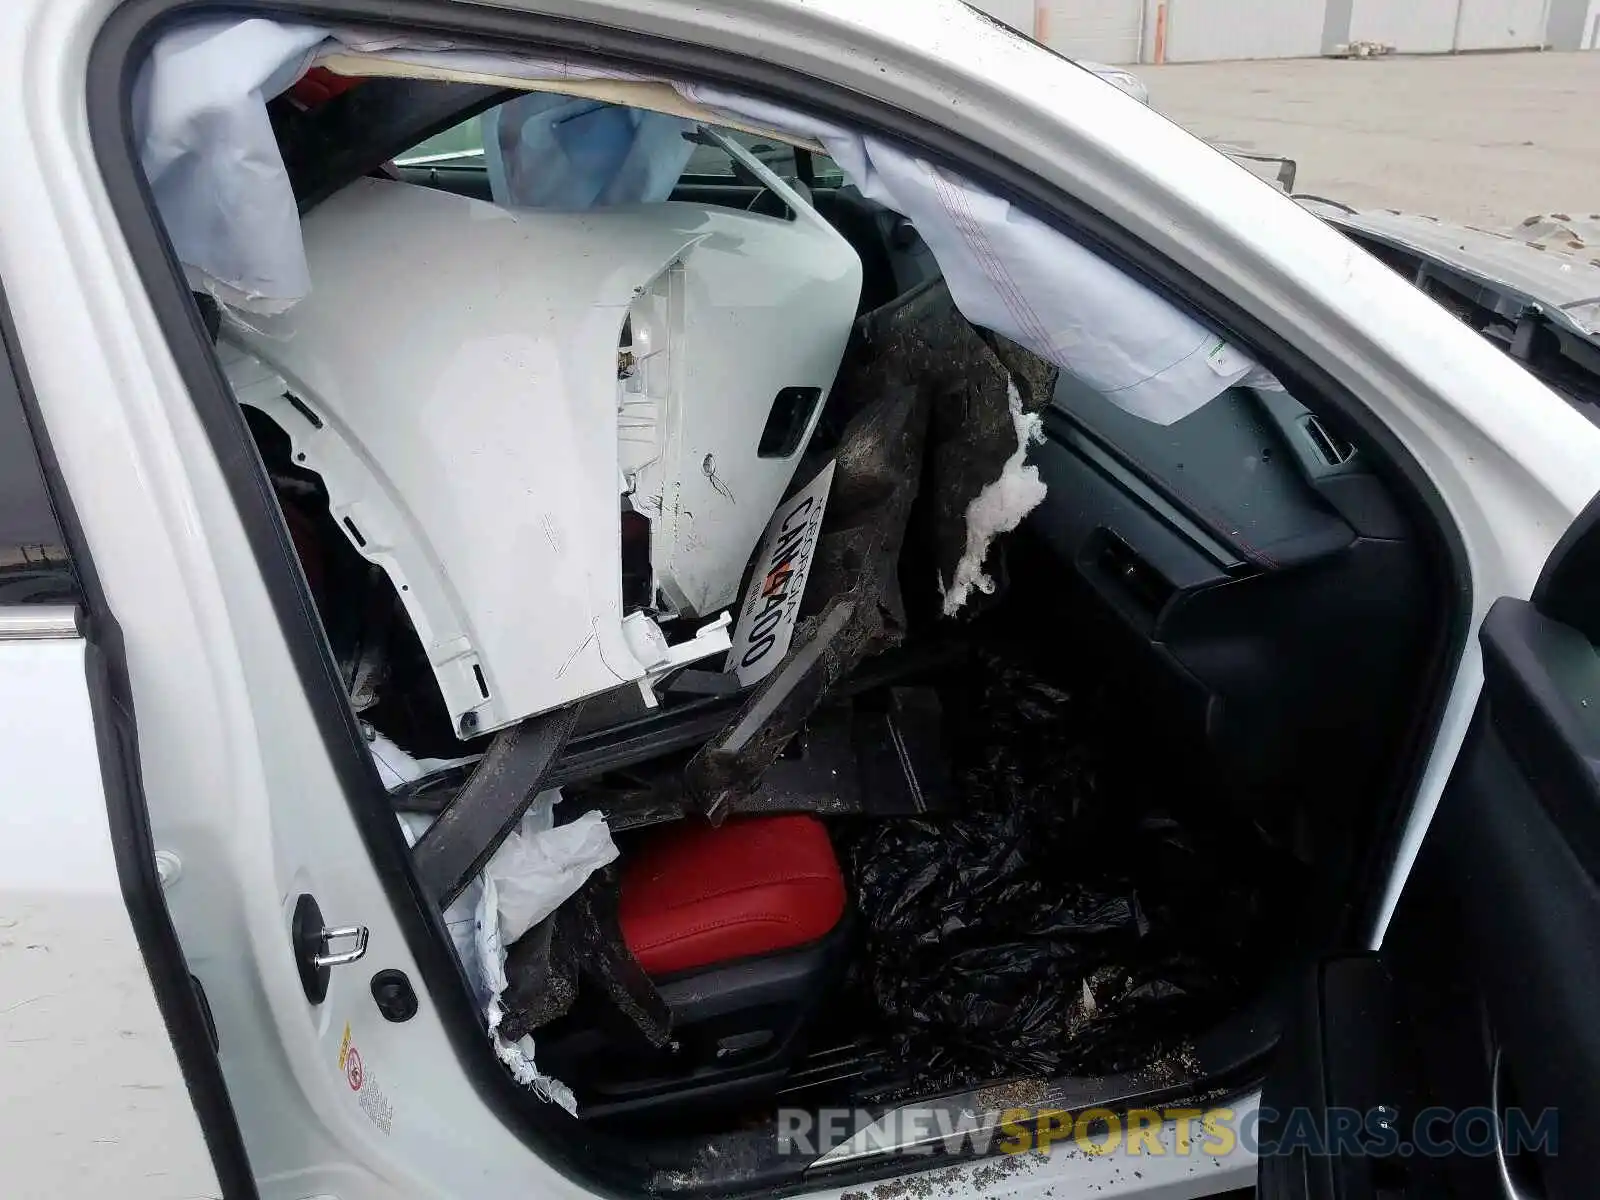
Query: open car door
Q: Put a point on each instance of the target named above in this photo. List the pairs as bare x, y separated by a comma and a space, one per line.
1463, 1058
111, 1077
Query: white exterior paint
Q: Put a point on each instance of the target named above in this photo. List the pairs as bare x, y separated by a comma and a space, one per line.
239, 782
91, 1099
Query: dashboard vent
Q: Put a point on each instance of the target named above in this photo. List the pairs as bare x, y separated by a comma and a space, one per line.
1334, 449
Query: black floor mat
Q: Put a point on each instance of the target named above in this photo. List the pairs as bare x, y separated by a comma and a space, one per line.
1091, 908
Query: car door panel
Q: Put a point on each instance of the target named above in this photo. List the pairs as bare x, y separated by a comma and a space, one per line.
1484, 989
112, 1081
68, 954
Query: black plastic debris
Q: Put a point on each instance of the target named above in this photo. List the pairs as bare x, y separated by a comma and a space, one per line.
971, 435
1080, 917
578, 952
880, 753
853, 576
875, 746
921, 405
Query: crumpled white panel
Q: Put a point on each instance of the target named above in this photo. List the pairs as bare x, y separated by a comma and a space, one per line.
222, 189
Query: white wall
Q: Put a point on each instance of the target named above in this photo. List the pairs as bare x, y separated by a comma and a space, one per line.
1439, 26
1203, 30
1114, 31
1101, 30
1016, 13
1410, 26
1500, 24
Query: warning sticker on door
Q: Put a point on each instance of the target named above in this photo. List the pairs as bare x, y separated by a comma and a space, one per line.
369, 1096
1225, 360
771, 603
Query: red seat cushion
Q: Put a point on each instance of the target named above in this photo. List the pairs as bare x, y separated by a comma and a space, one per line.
319, 85
698, 895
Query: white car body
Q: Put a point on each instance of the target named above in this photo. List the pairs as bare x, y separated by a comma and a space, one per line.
241, 781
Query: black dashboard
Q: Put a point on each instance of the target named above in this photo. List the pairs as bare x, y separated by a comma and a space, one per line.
1259, 570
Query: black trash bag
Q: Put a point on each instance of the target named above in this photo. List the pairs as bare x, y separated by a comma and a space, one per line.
1059, 925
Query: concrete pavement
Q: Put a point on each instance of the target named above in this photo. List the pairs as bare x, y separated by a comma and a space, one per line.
1486, 139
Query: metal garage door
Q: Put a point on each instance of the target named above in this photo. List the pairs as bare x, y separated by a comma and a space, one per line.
1206, 30
1500, 24
1414, 27
1102, 30
1016, 13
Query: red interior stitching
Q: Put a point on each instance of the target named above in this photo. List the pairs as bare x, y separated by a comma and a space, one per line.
746, 886
781, 919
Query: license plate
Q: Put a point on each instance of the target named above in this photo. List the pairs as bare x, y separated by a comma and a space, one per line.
771, 603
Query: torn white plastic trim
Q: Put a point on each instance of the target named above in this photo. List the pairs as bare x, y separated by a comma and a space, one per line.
998, 509
373, 516
650, 647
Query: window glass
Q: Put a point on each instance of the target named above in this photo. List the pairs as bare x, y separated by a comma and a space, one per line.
462, 146
34, 565
713, 162
826, 173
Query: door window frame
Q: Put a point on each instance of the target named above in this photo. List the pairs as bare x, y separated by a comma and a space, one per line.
114, 59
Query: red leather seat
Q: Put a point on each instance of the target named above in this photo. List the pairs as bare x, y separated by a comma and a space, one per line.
700, 895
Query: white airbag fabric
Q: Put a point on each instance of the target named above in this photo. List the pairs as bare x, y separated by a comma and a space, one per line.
1010, 272
532, 874
550, 151
221, 187
206, 145
998, 509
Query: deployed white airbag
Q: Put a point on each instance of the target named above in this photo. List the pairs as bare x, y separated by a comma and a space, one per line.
552, 151
1007, 271
535, 870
